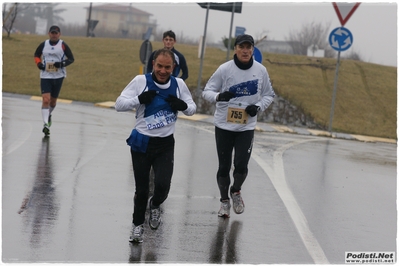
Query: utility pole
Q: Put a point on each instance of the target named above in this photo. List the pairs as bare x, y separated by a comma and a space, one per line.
231, 27
89, 20
203, 48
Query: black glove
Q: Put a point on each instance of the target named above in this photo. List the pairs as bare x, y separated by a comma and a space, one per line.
41, 66
59, 64
176, 103
147, 97
225, 96
252, 109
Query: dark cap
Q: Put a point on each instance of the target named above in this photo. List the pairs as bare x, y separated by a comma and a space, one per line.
54, 28
244, 38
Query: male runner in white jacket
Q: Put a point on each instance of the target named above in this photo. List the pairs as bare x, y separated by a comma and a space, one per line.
240, 88
157, 98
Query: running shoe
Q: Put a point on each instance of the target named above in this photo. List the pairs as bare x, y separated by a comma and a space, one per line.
238, 203
46, 130
155, 216
49, 121
137, 234
224, 209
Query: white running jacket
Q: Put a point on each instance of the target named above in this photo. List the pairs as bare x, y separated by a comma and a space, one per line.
252, 86
128, 100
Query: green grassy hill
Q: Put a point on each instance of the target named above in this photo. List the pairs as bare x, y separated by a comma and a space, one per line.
366, 101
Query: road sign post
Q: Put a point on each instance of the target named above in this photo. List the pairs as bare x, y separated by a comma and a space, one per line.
340, 39
231, 26
202, 48
234, 7
334, 92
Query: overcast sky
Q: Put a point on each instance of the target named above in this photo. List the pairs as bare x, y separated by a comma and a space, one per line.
373, 25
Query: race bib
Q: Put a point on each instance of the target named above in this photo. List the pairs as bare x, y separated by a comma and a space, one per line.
50, 67
236, 115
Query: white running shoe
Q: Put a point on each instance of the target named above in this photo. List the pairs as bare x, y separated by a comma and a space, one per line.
155, 216
137, 234
238, 203
224, 209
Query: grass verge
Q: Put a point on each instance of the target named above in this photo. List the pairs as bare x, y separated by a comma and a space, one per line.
366, 100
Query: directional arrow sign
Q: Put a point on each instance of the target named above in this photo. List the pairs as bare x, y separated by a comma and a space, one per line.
345, 11
240, 31
340, 39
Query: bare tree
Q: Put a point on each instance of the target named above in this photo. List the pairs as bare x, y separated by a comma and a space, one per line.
260, 36
311, 34
9, 17
29, 13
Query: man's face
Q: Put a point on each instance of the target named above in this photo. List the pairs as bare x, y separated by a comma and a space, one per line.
244, 52
54, 35
168, 42
163, 67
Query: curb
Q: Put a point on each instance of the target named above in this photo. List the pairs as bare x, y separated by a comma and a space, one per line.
262, 126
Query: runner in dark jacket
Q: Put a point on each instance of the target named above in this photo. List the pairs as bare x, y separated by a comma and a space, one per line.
169, 40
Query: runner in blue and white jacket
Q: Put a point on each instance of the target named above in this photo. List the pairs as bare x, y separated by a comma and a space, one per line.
157, 98
240, 88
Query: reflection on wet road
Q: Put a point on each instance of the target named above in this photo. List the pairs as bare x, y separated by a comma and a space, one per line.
41, 204
223, 249
69, 197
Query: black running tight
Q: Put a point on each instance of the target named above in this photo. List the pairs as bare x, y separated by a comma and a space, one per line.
226, 142
159, 156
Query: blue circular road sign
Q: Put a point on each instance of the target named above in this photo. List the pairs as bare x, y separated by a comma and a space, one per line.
257, 55
340, 39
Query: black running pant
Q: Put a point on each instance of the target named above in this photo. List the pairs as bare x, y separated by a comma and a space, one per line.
226, 142
159, 156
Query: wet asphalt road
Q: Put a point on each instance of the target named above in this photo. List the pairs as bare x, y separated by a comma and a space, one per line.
69, 197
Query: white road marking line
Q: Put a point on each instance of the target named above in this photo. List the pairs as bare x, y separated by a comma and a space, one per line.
277, 177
